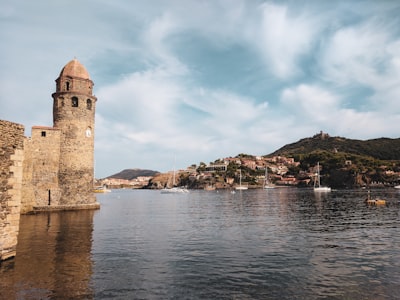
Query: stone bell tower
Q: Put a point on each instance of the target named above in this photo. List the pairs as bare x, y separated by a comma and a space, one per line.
74, 115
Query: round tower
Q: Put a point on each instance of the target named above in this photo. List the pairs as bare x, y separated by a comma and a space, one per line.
73, 113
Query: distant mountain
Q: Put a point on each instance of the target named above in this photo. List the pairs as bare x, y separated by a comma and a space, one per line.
381, 148
130, 174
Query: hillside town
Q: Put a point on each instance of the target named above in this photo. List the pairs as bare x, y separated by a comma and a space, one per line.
253, 171
226, 172
136, 183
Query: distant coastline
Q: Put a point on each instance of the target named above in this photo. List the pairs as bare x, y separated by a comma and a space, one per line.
345, 163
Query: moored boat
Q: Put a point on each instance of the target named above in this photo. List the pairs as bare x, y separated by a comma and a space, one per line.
101, 189
240, 186
174, 190
267, 184
317, 183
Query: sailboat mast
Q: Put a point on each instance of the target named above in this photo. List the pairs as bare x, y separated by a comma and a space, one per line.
173, 176
266, 179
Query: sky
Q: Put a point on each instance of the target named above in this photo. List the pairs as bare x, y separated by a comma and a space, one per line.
181, 82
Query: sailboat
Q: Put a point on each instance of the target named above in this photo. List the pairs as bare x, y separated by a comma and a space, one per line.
317, 183
174, 189
267, 184
241, 187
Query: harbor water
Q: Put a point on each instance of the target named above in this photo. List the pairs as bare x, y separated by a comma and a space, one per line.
283, 243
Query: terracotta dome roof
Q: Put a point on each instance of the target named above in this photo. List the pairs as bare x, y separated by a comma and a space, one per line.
75, 69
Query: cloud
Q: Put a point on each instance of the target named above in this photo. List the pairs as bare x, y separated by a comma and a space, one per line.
201, 80
355, 54
155, 39
317, 108
311, 102
143, 99
283, 39
365, 55
146, 108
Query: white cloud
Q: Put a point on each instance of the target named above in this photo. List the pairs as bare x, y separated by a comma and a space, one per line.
332, 67
317, 109
155, 41
365, 55
144, 109
282, 39
311, 103
355, 54
142, 100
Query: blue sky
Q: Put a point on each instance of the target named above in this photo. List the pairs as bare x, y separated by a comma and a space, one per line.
183, 82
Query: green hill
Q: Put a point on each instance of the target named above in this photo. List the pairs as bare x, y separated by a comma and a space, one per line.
130, 174
381, 148
345, 163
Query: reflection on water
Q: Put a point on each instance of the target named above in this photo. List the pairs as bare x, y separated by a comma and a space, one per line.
53, 258
255, 244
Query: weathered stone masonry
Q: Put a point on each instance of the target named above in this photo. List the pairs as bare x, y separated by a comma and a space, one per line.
54, 168
11, 159
73, 113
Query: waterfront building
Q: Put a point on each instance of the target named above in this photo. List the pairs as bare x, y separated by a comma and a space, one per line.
59, 160
54, 168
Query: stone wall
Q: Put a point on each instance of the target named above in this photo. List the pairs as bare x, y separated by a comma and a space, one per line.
28, 189
53, 169
11, 170
41, 167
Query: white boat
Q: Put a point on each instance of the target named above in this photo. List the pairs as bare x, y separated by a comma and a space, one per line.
101, 189
241, 187
317, 183
322, 189
174, 189
397, 186
267, 185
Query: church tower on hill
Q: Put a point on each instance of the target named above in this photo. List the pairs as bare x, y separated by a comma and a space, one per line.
73, 114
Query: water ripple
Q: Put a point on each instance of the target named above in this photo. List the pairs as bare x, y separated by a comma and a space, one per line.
278, 244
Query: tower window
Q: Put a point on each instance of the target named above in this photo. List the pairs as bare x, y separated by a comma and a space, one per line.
74, 102
89, 104
67, 85
43, 133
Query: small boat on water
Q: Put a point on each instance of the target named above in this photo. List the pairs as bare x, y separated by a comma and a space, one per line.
174, 190
101, 189
240, 186
376, 201
317, 183
209, 188
267, 184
